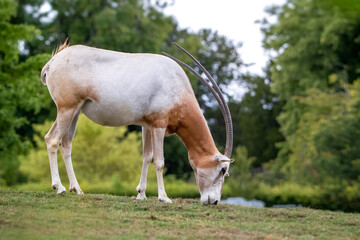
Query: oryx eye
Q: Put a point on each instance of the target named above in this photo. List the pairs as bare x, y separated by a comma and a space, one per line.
221, 174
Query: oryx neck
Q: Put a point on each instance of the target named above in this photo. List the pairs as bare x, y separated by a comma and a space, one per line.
195, 134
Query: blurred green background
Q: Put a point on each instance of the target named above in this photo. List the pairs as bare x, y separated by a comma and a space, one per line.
296, 129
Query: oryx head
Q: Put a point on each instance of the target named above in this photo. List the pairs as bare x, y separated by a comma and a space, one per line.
210, 181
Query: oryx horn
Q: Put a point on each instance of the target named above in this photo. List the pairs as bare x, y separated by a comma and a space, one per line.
215, 90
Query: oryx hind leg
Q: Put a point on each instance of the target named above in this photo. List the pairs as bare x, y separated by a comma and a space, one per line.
53, 139
147, 157
65, 148
157, 135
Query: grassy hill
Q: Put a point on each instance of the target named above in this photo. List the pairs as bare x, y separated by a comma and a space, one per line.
42, 215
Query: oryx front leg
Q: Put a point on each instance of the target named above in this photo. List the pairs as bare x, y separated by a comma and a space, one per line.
147, 157
65, 148
53, 139
157, 136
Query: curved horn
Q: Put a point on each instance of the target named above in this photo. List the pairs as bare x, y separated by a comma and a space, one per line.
212, 90
215, 90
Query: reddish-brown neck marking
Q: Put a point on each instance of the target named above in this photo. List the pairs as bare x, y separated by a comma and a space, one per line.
194, 132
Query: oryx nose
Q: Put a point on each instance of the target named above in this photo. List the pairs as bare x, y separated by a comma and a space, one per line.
209, 201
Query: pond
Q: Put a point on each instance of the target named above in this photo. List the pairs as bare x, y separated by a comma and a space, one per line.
254, 203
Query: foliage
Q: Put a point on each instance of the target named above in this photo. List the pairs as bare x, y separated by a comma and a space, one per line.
338, 196
128, 26
290, 193
241, 179
313, 40
306, 60
20, 92
315, 74
41, 215
326, 143
255, 124
176, 158
221, 59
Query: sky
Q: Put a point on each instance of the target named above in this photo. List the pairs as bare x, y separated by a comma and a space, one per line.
234, 19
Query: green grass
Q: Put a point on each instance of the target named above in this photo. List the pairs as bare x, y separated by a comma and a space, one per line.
44, 215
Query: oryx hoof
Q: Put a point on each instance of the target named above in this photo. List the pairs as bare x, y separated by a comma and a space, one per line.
60, 189
141, 196
77, 190
165, 199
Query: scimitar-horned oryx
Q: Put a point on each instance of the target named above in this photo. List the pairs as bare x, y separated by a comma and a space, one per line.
115, 89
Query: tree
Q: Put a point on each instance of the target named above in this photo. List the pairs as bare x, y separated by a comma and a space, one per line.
20, 91
326, 145
255, 124
127, 26
313, 40
223, 62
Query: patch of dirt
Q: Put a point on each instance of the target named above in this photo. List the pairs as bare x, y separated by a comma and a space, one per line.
166, 207
349, 224
221, 233
280, 214
98, 198
184, 201
4, 222
143, 208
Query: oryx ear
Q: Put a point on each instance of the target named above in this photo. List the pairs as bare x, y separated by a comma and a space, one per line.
219, 157
222, 158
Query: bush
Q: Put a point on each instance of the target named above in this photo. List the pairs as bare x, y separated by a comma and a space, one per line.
331, 196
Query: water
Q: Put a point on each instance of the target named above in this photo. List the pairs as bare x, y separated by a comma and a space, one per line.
255, 203
243, 202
